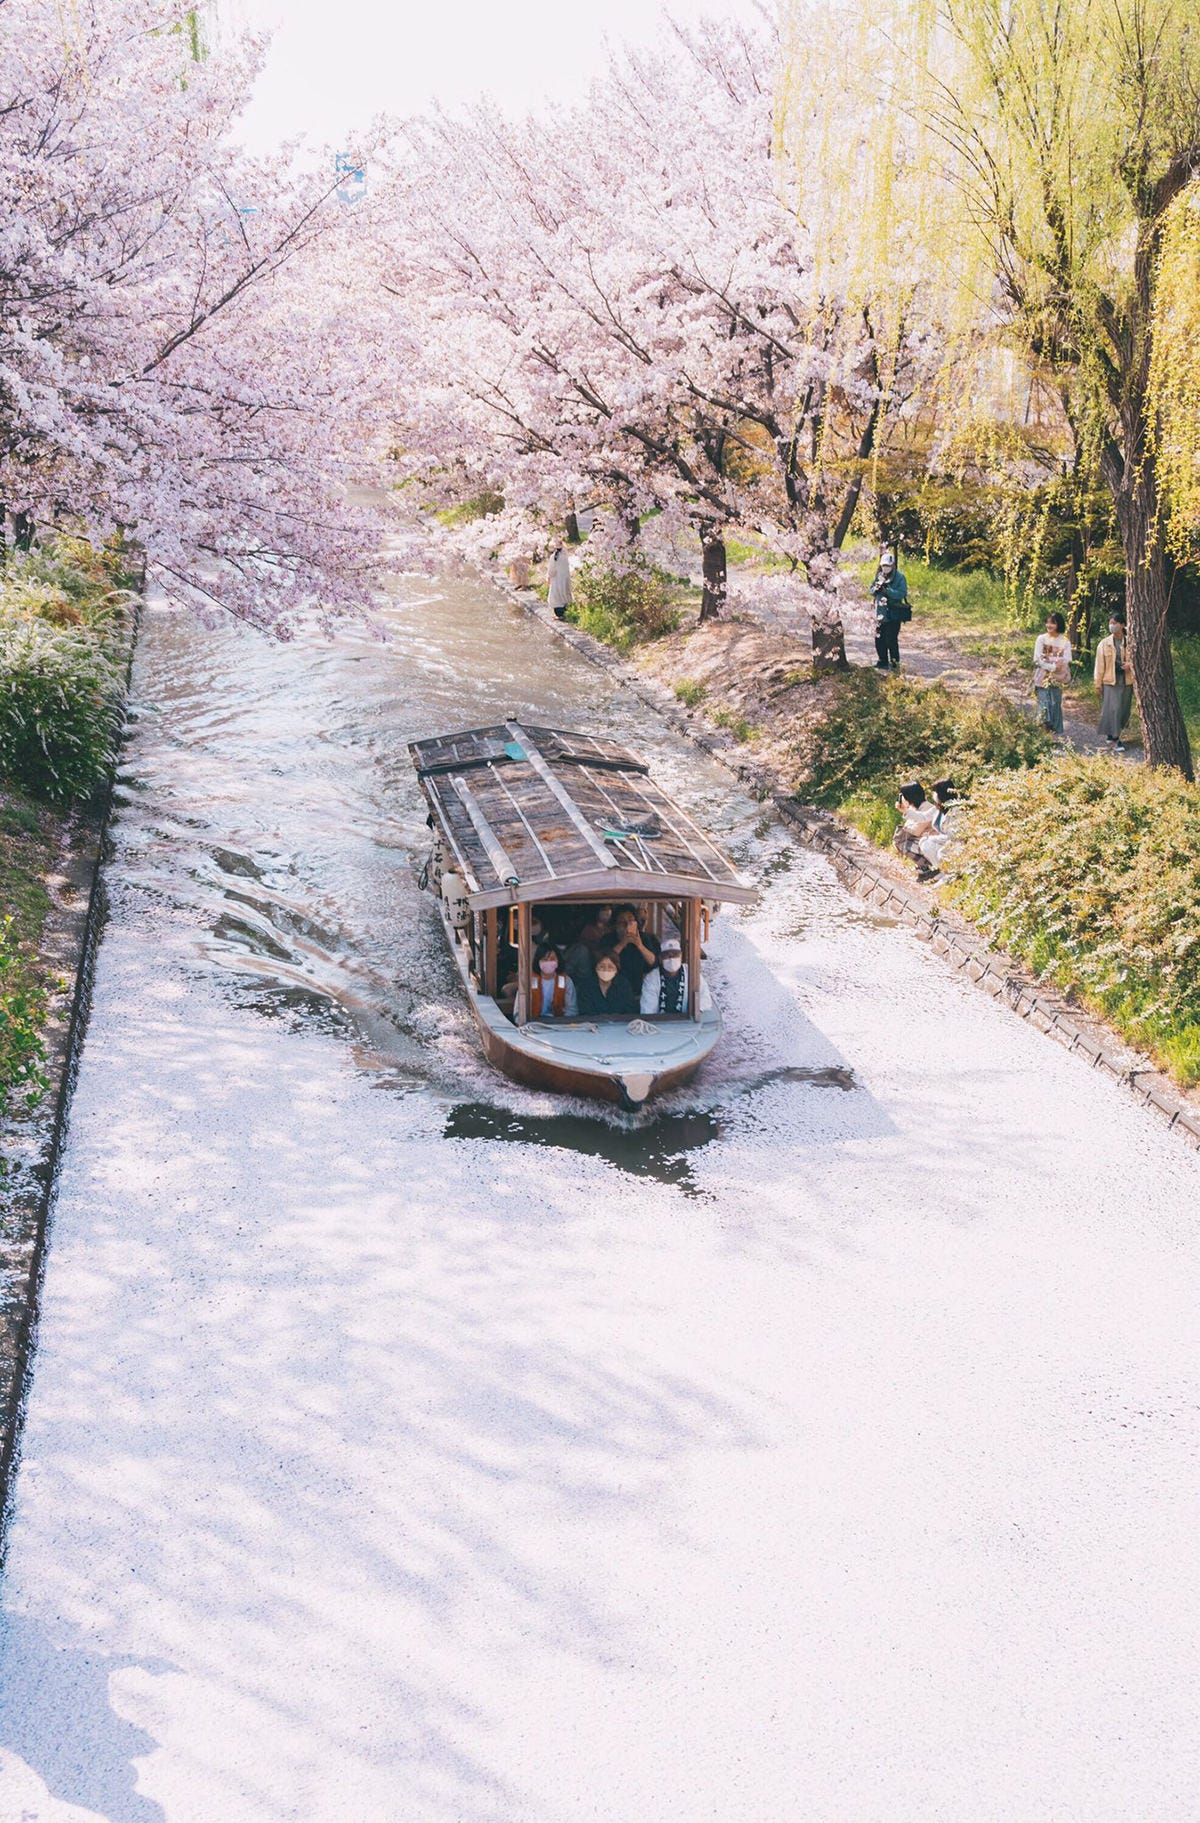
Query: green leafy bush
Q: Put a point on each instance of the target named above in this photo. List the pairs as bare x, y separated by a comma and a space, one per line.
69, 583
22, 1015
624, 605
1090, 872
58, 692
880, 731
690, 692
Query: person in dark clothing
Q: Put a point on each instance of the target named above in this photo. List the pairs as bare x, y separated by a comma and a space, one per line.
606, 989
636, 954
889, 593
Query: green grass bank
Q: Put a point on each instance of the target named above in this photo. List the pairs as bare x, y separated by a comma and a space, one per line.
65, 613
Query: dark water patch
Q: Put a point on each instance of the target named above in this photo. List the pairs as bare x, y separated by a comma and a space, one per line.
297, 1008
244, 936
231, 862
823, 1076
659, 1149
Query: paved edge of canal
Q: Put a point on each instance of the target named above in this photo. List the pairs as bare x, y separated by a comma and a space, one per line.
860, 872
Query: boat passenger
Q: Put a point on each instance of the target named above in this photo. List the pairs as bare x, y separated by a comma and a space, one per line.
552, 992
606, 989
665, 989
577, 957
635, 953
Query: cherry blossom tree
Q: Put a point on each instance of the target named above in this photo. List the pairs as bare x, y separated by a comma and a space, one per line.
185, 352
622, 301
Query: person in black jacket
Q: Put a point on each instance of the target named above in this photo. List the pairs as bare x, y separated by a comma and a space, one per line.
606, 989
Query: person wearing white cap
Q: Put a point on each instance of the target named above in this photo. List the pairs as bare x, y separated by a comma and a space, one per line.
665, 988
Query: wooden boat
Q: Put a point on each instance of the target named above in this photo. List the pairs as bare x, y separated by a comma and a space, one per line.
527, 818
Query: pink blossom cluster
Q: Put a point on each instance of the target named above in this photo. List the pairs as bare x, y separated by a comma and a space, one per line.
621, 304
187, 353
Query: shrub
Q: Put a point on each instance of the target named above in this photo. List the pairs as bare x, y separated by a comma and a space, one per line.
69, 583
58, 691
880, 731
22, 1015
1090, 872
623, 605
690, 692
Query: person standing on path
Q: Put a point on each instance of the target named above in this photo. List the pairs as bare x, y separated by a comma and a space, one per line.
560, 597
1051, 670
1114, 680
889, 593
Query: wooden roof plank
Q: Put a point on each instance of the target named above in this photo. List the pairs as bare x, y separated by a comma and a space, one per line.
562, 794
534, 809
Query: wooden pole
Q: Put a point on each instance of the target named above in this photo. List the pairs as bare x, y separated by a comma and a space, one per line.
691, 953
524, 967
491, 919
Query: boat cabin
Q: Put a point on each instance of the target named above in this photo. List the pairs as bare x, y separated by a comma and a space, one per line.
541, 824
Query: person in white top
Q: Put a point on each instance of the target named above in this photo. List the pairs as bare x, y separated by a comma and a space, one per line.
920, 816
1051, 670
560, 597
665, 988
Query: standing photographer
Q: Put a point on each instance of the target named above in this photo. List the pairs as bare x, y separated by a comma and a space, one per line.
889, 594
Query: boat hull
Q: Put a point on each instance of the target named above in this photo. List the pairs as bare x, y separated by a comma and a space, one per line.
629, 1090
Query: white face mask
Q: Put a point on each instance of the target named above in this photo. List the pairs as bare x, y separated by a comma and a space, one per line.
605, 978
548, 968
672, 964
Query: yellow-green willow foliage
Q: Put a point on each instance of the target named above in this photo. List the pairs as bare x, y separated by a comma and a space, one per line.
1015, 164
1175, 373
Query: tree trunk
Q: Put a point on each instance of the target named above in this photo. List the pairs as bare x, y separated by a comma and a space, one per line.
573, 528
716, 574
866, 445
1146, 601
23, 530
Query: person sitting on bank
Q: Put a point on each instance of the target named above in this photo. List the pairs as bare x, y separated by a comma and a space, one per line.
635, 953
552, 991
1114, 680
920, 816
665, 989
932, 847
606, 989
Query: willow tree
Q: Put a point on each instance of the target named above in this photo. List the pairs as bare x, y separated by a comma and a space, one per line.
1039, 152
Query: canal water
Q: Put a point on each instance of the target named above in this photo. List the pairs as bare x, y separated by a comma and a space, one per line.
402, 1445
270, 830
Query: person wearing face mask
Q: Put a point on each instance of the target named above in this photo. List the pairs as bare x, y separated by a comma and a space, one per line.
665, 989
606, 989
552, 993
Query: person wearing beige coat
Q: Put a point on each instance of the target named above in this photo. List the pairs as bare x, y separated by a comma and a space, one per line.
1114, 679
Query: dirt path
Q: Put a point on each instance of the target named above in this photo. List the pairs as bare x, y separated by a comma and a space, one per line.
925, 653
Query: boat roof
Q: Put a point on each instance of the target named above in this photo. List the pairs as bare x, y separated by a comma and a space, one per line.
544, 813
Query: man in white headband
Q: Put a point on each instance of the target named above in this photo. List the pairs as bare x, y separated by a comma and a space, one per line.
665, 988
